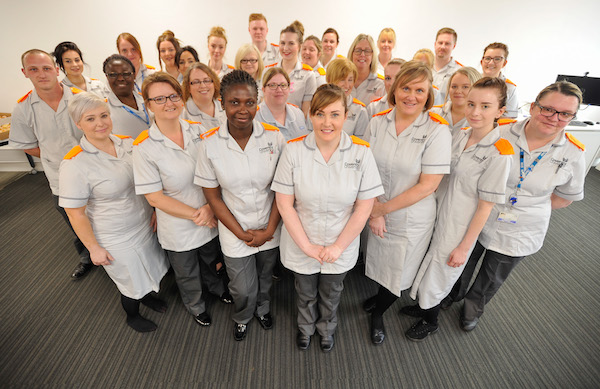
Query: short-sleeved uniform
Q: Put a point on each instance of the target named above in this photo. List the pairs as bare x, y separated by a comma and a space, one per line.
512, 101
445, 111
441, 78
369, 89
357, 121
92, 85
271, 54
245, 178
161, 165
194, 114
145, 71
325, 193
377, 105
320, 74
225, 69
303, 83
477, 173
561, 171
422, 148
127, 120
120, 219
294, 126
35, 124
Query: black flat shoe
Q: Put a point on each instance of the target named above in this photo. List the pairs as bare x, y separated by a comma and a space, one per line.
369, 304
302, 341
203, 319
226, 298
239, 331
377, 330
81, 270
266, 321
327, 343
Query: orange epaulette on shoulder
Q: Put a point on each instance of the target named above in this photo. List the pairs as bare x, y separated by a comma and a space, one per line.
504, 147
438, 106
75, 90
122, 136
74, 151
149, 67
231, 67
464, 128
458, 63
141, 137
437, 118
382, 113
271, 65
274, 45
435, 87
510, 82
357, 101
192, 122
297, 139
95, 79
321, 71
377, 99
293, 105
505, 121
24, 97
306, 67
340, 56
380, 76
209, 133
269, 127
575, 141
357, 141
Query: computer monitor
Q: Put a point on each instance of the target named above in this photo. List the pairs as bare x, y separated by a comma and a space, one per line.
590, 86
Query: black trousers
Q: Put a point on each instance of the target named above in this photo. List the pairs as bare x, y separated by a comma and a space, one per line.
82, 251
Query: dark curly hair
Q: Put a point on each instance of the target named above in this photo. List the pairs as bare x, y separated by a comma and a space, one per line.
117, 57
237, 77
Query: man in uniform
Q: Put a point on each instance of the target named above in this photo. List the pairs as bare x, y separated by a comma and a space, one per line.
444, 65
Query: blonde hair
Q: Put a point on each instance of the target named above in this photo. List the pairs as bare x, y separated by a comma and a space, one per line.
84, 102
565, 88
388, 31
369, 39
447, 30
256, 16
218, 32
339, 69
412, 70
242, 52
317, 43
428, 53
471, 73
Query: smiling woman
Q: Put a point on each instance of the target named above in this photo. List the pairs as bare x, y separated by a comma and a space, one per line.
70, 60
168, 46
201, 88
368, 84
217, 45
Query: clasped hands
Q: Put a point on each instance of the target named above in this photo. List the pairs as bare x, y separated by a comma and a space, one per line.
204, 217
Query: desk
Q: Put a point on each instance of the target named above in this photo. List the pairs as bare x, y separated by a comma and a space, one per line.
590, 137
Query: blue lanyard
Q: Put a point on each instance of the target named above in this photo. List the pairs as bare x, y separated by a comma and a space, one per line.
525, 173
147, 120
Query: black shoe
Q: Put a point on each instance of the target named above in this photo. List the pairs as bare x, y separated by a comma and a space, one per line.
302, 341
266, 321
226, 298
141, 324
446, 303
239, 331
377, 330
420, 330
468, 325
369, 304
203, 319
154, 303
412, 310
327, 343
81, 270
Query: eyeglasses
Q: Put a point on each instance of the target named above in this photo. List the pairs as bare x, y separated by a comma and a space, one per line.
549, 112
163, 99
250, 61
116, 75
274, 86
495, 59
206, 81
363, 51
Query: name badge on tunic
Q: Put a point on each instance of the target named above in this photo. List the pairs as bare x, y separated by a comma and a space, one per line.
292, 86
507, 217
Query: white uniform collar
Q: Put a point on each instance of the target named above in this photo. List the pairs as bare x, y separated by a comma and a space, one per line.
155, 134
518, 130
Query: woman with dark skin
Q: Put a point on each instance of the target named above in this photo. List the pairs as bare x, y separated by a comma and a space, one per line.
235, 168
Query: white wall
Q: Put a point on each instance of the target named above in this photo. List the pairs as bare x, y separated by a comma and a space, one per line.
545, 37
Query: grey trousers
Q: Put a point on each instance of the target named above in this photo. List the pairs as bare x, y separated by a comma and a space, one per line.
186, 265
82, 251
318, 300
250, 284
495, 269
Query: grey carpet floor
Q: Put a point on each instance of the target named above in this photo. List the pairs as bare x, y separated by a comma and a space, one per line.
540, 331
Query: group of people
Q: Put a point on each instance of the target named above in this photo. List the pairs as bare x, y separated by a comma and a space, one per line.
221, 172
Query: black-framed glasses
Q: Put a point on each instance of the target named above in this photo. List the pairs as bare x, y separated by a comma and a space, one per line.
363, 51
274, 86
495, 59
206, 81
250, 61
163, 99
549, 112
116, 75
